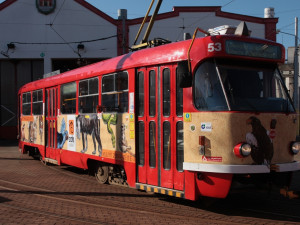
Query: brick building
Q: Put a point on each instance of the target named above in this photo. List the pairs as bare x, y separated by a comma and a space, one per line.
38, 37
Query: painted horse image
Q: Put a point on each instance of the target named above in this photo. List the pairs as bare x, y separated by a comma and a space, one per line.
89, 125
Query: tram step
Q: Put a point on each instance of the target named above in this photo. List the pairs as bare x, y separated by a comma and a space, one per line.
160, 190
53, 161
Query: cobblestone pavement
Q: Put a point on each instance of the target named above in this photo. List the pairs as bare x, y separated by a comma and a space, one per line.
32, 193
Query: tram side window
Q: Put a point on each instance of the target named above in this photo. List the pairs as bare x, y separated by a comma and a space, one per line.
68, 98
152, 145
26, 103
115, 92
141, 143
166, 92
179, 146
37, 102
152, 93
141, 94
88, 96
179, 96
167, 145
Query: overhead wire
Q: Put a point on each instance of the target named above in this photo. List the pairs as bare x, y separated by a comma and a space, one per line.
58, 12
51, 26
62, 43
228, 3
210, 15
204, 17
276, 30
65, 42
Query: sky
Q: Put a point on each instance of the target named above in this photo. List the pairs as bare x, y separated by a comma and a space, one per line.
285, 10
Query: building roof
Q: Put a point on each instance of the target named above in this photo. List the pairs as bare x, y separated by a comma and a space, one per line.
214, 9
85, 4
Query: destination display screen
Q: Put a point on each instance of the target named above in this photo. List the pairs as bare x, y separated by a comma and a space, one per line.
251, 49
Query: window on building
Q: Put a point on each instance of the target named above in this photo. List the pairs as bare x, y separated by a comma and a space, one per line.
68, 98
26, 103
115, 92
88, 96
37, 102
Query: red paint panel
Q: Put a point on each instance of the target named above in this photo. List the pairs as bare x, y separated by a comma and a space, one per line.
151, 129
51, 121
167, 129
190, 186
142, 151
170, 176
214, 185
130, 173
72, 158
148, 169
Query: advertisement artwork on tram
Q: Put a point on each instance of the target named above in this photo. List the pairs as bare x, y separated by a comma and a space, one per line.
32, 129
102, 134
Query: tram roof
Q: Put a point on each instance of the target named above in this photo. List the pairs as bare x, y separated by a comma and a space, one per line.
164, 54
168, 53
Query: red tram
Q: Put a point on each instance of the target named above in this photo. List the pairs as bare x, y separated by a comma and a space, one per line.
187, 119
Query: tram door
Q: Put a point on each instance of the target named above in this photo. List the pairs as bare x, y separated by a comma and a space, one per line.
159, 127
147, 125
51, 122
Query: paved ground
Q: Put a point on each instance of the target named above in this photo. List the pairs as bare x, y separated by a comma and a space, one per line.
32, 193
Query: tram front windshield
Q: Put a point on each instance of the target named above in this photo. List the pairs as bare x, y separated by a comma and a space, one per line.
223, 86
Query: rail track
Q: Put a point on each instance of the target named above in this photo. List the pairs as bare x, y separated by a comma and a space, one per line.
112, 205
71, 196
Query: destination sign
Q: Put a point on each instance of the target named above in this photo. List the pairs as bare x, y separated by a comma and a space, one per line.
250, 49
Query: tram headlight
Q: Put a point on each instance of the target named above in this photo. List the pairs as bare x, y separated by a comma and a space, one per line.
295, 148
242, 150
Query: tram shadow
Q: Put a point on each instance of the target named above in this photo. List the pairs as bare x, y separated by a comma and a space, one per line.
264, 205
8, 143
73, 194
15, 158
256, 204
2, 200
75, 170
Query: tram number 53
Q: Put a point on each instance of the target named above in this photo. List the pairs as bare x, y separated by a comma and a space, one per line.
214, 47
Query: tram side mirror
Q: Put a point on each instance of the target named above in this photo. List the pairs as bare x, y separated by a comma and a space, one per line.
184, 76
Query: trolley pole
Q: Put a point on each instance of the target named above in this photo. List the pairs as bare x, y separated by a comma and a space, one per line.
296, 68
122, 15
296, 74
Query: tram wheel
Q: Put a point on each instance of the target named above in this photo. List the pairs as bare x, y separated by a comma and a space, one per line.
101, 173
